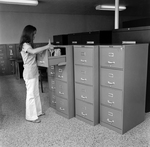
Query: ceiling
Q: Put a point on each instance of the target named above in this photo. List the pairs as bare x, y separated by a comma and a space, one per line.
140, 8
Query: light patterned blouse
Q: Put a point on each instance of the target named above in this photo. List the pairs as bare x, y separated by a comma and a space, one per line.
30, 64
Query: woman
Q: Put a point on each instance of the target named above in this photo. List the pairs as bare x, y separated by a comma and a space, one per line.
30, 73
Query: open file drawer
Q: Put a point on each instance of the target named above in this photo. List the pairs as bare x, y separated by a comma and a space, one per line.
45, 60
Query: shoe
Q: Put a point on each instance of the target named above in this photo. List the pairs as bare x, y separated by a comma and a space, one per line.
35, 121
42, 114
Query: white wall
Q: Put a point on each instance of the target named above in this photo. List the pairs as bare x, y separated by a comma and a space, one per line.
12, 24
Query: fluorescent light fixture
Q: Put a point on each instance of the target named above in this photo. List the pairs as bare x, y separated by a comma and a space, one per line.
20, 2
109, 7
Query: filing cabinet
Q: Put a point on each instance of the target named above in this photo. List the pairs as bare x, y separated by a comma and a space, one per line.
75, 39
123, 75
97, 37
3, 60
60, 79
60, 39
86, 83
11, 56
65, 86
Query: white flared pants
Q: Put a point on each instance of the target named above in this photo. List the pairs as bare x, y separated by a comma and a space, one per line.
33, 102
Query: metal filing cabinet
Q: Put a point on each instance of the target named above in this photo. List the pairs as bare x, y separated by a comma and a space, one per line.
65, 86
123, 73
61, 80
86, 83
11, 56
3, 60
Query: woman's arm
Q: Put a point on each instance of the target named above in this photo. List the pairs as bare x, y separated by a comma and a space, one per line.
40, 49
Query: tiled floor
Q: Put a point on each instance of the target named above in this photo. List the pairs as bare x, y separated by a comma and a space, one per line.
54, 130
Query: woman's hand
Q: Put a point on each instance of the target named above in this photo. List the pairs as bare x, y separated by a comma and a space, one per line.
51, 47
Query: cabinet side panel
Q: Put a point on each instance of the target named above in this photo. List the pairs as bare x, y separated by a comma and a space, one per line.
96, 85
135, 77
70, 76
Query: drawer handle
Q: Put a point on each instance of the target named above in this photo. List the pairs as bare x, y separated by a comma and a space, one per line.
111, 54
60, 70
90, 42
61, 93
84, 97
83, 61
111, 62
110, 94
53, 82
84, 114
82, 79
110, 102
110, 121
110, 113
52, 73
74, 42
83, 53
60, 76
11, 52
53, 102
111, 83
111, 75
52, 67
42, 62
61, 108
52, 88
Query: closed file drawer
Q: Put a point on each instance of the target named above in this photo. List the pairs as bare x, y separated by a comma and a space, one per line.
84, 110
83, 92
61, 89
112, 57
3, 69
111, 97
111, 116
52, 83
2, 55
3, 63
62, 105
84, 74
61, 72
52, 98
111, 78
51, 70
2, 48
11, 52
84, 56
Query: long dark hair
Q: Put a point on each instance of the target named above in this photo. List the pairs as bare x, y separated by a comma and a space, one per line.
27, 36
